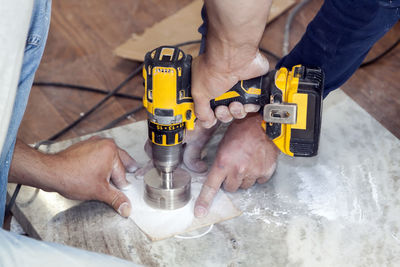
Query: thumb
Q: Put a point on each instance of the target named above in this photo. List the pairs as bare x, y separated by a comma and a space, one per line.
118, 173
204, 113
118, 200
192, 159
195, 142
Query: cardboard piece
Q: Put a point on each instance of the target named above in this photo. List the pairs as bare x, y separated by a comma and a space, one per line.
179, 28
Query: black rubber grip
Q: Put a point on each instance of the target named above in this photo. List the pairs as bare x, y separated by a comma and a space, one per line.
243, 96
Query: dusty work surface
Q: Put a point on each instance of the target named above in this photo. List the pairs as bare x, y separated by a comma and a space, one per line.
340, 208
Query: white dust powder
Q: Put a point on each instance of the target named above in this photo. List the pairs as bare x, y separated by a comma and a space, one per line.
160, 224
156, 222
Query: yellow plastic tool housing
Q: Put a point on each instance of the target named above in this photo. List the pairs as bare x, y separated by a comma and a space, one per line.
303, 87
167, 97
288, 84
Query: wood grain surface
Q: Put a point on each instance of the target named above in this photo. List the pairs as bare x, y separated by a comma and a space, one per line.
83, 35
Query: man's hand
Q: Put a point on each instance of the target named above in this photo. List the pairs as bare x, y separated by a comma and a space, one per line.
82, 171
245, 156
235, 28
194, 143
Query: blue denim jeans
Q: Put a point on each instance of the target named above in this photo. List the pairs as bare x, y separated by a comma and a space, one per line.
341, 35
338, 38
37, 36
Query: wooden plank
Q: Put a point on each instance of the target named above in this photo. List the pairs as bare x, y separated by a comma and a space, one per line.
178, 28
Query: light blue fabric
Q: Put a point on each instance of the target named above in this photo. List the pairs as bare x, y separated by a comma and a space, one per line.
20, 251
37, 36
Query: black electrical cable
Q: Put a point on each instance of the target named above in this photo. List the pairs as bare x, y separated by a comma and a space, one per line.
269, 53
101, 102
380, 56
85, 88
18, 188
12, 200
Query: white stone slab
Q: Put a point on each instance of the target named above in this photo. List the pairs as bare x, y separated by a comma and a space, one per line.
340, 208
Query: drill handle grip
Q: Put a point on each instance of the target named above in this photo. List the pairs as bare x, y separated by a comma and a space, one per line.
251, 91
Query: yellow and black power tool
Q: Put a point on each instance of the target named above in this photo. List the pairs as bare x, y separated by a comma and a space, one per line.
170, 109
291, 101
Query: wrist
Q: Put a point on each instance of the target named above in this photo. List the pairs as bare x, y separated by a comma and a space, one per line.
226, 56
50, 178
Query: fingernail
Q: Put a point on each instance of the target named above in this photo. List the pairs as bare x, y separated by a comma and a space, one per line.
201, 166
139, 173
206, 125
126, 187
209, 124
125, 184
200, 211
241, 115
251, 108
124, 210
132, 168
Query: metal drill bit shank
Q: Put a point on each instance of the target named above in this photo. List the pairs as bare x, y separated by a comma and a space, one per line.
167, 187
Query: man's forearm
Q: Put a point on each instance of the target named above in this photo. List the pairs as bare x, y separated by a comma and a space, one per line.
235, 25
31, 167
82, 171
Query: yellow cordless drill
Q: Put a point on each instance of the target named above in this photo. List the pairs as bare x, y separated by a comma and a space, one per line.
291, 101
169, 104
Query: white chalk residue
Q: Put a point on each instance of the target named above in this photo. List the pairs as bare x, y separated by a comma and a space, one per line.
156, 222
325, 193
195, 236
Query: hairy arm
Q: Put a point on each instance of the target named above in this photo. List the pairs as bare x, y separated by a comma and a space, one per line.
28, 167
82, 172
235, 28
